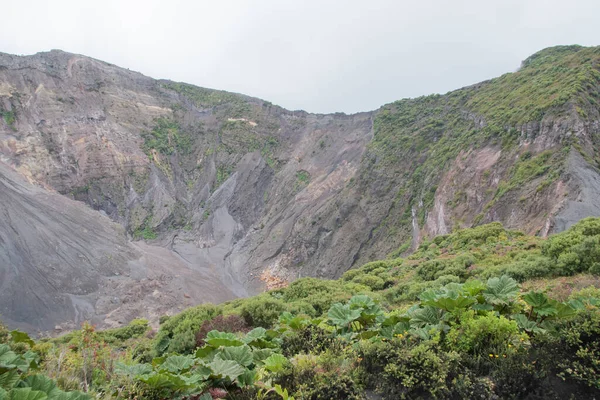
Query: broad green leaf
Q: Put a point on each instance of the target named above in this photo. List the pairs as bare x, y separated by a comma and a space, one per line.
342, 315
5, 352
361, 301
540, 303
21, 337
421, 333
246, 379
392, 320
272, 334
41, 383
75, 395
259, 355
27, 394
156, 362
255, 334
428, 296
453, 303
218, 339
348, 336
275, 362
285, 317
226, 369
133, 370
564, 311
401, 327
198, 378
577, 304
356, 326
298, 322
206, 353
163, 344
501, 291
473, 288
9, 358
32, 358
9, 379
177, 364
240, 354
283, 393
525, 324
424, 316
206, 396
367, 334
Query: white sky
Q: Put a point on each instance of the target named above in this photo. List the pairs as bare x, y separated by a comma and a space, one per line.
321, 56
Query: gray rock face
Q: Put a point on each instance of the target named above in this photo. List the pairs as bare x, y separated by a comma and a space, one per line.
585, 200
224, 208
62, 262
231, 194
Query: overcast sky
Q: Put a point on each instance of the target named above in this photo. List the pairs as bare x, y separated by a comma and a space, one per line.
320, 56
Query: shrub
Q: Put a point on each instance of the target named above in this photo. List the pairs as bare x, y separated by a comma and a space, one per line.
327, 376
516, 376
4, 335
580, 358
136, 328
319, 293
373, 282
229, 323
530, 267
178, 333
487, 334
262, 311
577, 249
310, 339
398, 370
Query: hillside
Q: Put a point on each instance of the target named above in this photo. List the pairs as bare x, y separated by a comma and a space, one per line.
242, 194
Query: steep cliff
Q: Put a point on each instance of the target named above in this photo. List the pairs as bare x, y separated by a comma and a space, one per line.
258, 195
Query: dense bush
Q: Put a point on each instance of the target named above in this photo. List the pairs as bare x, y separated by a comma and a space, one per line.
262, 310
135, 329
320, 294
178, 333
321, 377
577, 249
308, 339
402, 369
580, 350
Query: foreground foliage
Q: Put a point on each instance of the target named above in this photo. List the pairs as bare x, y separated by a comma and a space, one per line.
474, 314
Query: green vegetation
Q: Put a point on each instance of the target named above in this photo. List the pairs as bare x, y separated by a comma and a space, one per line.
244, 125
145, 230
437, 130
203, 97
548, 79
10, 118
166, 137
302, 180
223, 173
20, 367
450, 321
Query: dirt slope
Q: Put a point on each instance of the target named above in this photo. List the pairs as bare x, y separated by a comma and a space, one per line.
62, 262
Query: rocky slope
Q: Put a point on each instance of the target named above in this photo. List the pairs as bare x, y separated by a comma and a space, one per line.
237, 194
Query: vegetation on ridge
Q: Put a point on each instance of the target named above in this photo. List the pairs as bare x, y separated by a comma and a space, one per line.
416, 141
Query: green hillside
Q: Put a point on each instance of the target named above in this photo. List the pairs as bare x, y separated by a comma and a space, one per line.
480, 313
416, 142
